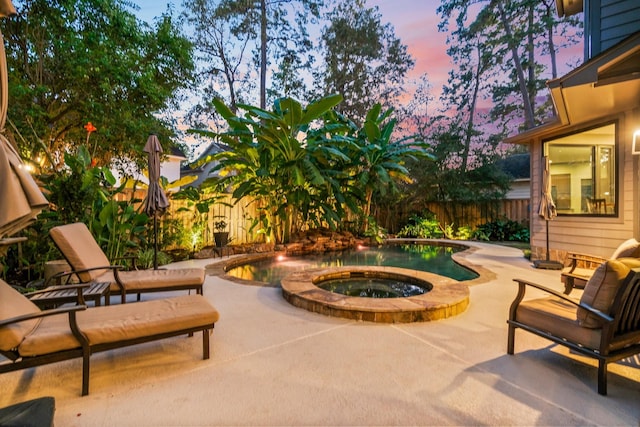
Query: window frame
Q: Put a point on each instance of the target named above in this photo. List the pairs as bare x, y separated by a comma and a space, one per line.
615, 172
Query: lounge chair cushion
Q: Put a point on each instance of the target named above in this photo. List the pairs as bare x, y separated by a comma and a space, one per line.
627, 249
559, 317
108, 324
13, 305
600, 291
150, 279
80, 248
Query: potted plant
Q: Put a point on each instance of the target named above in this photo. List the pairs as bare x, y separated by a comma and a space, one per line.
220, 235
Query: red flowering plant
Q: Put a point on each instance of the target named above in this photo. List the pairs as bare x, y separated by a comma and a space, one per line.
90, 128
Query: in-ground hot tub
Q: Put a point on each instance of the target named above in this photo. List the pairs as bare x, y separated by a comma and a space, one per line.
444, 297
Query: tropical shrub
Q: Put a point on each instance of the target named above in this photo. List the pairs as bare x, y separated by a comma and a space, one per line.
504, 230
422, 228
145, 258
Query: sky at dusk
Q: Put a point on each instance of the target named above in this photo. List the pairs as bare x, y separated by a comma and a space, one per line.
415, 23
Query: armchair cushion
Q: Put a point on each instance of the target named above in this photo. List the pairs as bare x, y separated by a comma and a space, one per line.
600, 291
552, 314
14, 305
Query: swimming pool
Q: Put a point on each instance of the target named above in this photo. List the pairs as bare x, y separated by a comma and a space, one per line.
433, 258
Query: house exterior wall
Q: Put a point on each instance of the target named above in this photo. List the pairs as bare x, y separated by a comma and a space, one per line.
588, 234
608, 22
520, 189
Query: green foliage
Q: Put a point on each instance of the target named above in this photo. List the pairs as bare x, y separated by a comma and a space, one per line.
374, 232
91, 60
283, 163
464, 232
503, 230
145, 258
422, 228
364, 61
84, 193
310, 167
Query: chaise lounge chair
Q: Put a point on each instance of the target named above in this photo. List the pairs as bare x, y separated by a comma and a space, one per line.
30, 337
88, 261
604, 325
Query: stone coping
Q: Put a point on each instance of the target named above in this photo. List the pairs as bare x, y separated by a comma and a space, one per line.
447, 297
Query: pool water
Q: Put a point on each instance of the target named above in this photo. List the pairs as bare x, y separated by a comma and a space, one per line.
372, 287
432, 258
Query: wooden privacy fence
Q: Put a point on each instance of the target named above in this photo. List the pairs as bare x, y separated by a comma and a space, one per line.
477, 214
238, 218
458, 214
240, 215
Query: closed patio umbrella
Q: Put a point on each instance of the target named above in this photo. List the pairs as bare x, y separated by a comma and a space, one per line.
156, 202
547, 210
20, 198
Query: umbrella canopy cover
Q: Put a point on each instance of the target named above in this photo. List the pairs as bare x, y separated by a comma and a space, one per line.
20, 198
547, 208
156, 201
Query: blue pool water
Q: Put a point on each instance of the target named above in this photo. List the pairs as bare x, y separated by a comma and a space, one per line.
432, 258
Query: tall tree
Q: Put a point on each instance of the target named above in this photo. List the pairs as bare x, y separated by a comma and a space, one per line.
364, 61
221, 53
71, 62
514, 31
280, 30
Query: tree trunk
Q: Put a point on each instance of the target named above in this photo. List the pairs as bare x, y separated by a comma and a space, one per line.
263, 54
472, 111
528, 110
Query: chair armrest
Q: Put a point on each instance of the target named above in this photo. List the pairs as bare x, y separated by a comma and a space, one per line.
62, 274
573, 259
522, 285
44, 313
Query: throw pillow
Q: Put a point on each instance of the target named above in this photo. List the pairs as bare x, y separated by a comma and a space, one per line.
627, 249
600, 291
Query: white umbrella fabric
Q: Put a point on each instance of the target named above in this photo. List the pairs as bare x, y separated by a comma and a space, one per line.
156, 202
547, 210
20, 198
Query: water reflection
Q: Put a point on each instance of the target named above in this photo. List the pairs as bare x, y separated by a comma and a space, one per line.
432, 258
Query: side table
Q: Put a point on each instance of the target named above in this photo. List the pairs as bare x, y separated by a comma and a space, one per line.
54, 296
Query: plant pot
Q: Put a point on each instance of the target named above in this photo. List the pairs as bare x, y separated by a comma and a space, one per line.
221, 238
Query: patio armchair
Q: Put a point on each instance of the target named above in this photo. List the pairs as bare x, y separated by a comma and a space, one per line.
579, 267
604, 324
90, 264
31, 337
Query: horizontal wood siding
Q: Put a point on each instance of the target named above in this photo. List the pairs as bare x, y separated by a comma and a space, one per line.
618, 19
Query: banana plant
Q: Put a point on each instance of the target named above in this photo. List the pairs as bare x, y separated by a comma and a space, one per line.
278, 159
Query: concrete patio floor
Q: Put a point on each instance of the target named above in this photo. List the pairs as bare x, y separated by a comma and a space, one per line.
275, 364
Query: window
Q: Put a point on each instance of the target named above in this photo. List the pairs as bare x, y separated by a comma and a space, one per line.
583, 171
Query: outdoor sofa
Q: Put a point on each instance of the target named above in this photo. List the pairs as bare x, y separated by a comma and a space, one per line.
90, 264
31, 337
604, 324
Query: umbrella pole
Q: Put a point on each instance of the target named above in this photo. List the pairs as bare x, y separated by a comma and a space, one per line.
547, 233
547, 264
155, 241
